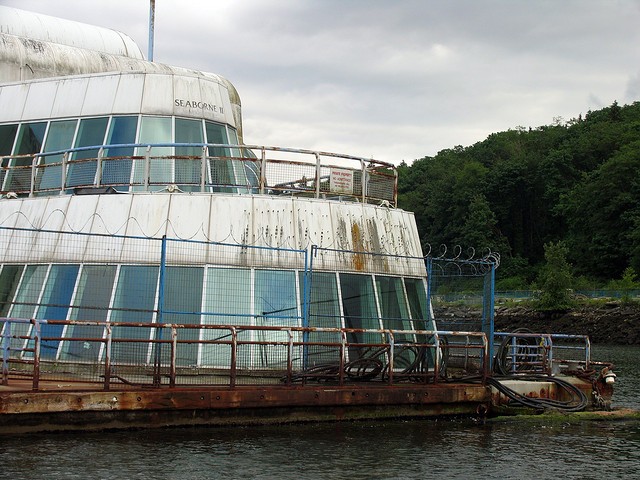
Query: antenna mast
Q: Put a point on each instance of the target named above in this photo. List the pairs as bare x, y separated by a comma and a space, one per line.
152, 21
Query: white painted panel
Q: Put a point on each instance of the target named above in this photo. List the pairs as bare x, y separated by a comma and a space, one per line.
188, 215
9, 215
40, 100
147, 218
107, 217
228, 108
157, 97
214, 95
101, 94
70, 97
129, 94
187, 99
230, 221
12, 100
148, 215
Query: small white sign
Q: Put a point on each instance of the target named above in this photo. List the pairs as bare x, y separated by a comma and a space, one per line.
341, 180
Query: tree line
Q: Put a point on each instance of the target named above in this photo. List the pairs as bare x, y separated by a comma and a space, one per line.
573, 184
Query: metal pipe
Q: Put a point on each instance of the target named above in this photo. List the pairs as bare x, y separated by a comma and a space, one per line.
152, 21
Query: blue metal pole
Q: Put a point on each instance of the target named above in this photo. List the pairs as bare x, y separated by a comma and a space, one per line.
152, 21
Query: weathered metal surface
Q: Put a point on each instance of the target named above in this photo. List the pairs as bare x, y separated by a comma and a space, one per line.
61, 410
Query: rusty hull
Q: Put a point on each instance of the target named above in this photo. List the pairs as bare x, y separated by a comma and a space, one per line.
72, 409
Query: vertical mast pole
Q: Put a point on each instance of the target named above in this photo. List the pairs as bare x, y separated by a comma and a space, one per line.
152, 21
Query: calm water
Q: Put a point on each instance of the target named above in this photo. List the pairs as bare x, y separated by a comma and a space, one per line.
362, 450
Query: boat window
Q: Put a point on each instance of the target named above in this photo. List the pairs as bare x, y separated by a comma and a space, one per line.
188, 170
133, 301
156, 130
395, 314
59, 137
26, 300
240, 174
183, 297
417, 296
90, 304
359, 309
7, 138
275, 304
221, 168
29, 141
122, 131
91, 132
54, 305
324, 311
227, 301
9, 279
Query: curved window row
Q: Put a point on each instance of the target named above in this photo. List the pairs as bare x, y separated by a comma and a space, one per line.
204, 296
55, 135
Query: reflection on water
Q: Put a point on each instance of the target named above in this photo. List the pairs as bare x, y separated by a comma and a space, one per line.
626, 362
363, 450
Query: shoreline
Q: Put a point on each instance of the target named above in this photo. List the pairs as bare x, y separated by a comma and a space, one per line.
612, 323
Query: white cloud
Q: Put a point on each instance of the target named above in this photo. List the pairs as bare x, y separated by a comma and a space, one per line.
393, 80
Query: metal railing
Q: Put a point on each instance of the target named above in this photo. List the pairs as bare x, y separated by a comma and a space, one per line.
241, 169
246, 355
544, 353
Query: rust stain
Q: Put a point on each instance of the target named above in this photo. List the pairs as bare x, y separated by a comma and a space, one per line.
358, 247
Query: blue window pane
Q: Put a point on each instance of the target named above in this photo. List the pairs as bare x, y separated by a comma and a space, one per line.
324, 311
156, 130
91, 303
275, 304
90, 133
118, 171
59, 137
30, 138
55, 305
227, 302
133, 301
182, 304
189, 167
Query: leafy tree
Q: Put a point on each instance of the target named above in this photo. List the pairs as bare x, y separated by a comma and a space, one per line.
555, 279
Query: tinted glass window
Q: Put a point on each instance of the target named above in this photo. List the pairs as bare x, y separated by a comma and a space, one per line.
134, 301
90, 304
59, 137
188, 169
121, 132
91, 132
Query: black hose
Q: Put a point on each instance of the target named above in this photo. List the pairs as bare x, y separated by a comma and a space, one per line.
578, 402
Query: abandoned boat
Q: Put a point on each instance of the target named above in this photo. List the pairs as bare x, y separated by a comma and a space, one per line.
156, 270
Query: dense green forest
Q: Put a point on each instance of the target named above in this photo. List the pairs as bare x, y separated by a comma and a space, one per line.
574, 183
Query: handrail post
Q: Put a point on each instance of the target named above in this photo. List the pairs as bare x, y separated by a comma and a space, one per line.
392, 345
289, 357
36, 354
234, 357
32, 186
263, 171
63, 172
343, 352
203, 168
317, 175
6, 341
147, 168
107, 358
174, 353
99, 167
364, 180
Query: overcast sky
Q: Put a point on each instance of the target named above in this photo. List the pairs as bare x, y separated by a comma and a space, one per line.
393, 80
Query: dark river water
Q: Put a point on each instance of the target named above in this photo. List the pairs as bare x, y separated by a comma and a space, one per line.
412, 449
